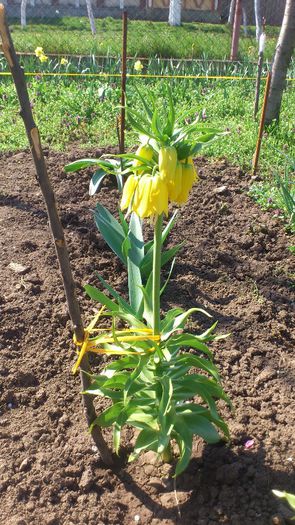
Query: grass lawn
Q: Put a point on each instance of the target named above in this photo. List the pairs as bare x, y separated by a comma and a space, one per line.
85, 111
191, 40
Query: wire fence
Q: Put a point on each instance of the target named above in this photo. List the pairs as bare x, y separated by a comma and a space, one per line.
191, 49
62, 28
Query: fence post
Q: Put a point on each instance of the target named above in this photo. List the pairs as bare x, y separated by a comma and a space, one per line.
236, 31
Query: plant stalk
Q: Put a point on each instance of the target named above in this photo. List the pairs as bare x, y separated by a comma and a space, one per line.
157, 273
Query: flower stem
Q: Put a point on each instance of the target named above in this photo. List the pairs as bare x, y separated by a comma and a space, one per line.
157, 273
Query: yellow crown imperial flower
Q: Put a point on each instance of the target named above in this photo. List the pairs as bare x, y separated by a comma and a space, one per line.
189, 176
174, 183
128, 191
138, 66
39, 51
159, 196
167, 163
150, 197
145, 151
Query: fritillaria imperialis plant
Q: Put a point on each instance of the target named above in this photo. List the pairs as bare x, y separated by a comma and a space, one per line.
164, 381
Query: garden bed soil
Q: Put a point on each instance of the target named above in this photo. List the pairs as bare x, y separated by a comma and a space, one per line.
235, 262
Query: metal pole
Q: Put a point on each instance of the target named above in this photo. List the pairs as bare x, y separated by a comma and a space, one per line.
261, 125
236, 30
123, 82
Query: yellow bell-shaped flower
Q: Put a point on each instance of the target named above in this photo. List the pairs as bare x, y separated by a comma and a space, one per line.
128, 191
159, 196
145, 151
141, 203
167, 163
174, 183
189, 176
151, 196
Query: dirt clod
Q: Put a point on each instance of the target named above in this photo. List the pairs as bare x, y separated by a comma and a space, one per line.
235, 263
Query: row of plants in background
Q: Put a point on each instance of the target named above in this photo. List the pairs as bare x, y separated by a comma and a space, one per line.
85, 108
153, 66
164, 382
145, 38
43, 61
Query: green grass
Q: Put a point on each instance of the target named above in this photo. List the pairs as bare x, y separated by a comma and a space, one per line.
85, 111
191, 40
277, 192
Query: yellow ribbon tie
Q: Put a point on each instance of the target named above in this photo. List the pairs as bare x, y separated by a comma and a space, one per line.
84, 343
92, 345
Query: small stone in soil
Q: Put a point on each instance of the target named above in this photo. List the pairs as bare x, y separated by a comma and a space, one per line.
19, 268
25, 465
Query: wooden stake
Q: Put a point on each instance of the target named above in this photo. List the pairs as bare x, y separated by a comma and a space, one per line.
261, 125
123, 82
55, 224
236, 30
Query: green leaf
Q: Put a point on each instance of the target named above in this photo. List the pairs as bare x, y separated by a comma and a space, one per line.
123, 222
142, 419
200, 426
110, 229
116, 295
179, 322
118, 381
134, 156
95, 294
134, 375
171, 114
94, 390
108, 416
169, 318
148, 105
165, 414
135, 121
290, 498
190, 340
166, 256
135, 256
127, 362
155, 126
146, 440
96, 181
81, 164
193, 360
169, 277
184, 440
148, 300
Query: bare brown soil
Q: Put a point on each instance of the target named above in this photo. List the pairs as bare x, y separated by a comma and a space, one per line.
236, 264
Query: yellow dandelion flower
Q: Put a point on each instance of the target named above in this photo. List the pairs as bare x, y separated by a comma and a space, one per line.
64, 62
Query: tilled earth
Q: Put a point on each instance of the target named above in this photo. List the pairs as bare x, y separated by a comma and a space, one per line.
236, 264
